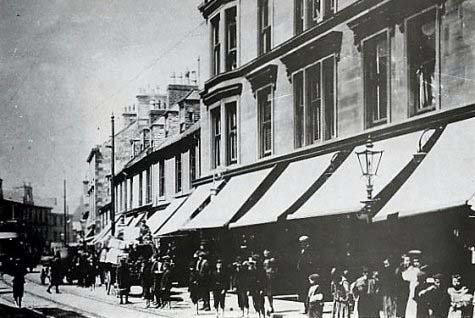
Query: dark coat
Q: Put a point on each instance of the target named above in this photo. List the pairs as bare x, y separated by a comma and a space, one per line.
166, 281
123, 276
241, 279
257, 280
56, 276
219, 280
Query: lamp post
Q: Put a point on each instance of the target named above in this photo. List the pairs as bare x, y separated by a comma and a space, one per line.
369, 160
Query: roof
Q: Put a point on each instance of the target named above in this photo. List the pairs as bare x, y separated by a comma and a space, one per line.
192, 95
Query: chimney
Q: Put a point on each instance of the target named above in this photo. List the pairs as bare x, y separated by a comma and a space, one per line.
1, 189
129, 115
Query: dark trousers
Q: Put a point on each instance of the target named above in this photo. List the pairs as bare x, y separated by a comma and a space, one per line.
258, 301
218, 299
243, 299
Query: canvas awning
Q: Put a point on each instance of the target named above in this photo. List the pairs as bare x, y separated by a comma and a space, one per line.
196, 199
160, 217
344, 190
443, 180
296, 179
224, 206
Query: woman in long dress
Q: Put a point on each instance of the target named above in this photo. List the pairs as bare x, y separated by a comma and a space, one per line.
410, 275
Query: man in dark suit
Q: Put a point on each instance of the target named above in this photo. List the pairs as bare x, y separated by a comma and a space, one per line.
203, 269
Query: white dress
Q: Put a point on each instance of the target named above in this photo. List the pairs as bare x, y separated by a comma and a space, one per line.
410, 275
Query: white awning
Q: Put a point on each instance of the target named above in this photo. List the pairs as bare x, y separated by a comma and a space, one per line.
229, 200
286, 190
196, 199
346, 188
444, 179
8, 235
156, 221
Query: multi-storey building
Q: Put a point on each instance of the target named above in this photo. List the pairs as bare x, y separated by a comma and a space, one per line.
294, 90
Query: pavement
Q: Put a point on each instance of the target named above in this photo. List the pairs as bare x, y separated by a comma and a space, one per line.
87, 302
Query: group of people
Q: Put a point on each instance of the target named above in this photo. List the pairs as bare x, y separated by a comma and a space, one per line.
253, 276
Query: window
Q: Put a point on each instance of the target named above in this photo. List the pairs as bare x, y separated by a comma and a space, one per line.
131, 202
231, 133
264, 30
231, 39
264, 103
314, 103
178, 171
161, 178
421, 55
125, 195
140, 189
310, 12
216, 45
149, 185
192, 165
216, 137
376, 72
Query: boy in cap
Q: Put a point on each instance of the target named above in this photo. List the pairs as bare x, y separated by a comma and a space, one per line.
257, 286
219, 282
241, 284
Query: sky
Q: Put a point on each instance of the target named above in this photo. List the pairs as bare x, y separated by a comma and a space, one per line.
66, 65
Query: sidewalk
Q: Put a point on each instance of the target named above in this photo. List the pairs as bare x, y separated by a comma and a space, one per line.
181, 305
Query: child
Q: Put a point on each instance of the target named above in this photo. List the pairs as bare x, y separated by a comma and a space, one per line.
240, 284
315, 297
219, 286
166, 285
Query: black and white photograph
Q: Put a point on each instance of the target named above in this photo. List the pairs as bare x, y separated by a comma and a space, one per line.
237, 158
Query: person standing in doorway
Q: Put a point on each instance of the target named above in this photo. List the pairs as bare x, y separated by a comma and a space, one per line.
56, 275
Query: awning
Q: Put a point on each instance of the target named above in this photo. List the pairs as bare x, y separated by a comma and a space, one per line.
102, 234
196, 199
443, 180
156, 221
344, 190
227, 203
286, 190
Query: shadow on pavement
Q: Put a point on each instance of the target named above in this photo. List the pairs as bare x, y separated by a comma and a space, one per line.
13, 312
59, 313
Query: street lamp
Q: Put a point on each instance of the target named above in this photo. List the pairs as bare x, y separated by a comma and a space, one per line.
369, 160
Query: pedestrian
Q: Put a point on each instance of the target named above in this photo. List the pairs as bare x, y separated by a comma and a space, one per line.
204, 271
305, 267
343, 297
461, 299
241, 285
19, 281
257, 285
388, 289
402, 286
166, 285
147, 281
410, 275
270, 268
43, 275
193, 285
157, 272
437, 298
315, 297
219, 286
333, 291
55, 272
123, 280
365, 287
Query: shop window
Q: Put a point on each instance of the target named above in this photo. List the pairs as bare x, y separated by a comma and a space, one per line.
376, 75
264, 103
265, 29
231, 133
421, 32
216, 136
216, 45
178, 173
231, 39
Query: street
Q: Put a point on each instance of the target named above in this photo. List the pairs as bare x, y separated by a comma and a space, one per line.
73, 301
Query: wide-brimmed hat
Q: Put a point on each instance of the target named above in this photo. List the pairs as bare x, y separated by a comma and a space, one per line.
303, 238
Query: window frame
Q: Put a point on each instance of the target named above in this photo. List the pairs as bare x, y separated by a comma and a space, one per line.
369, 121
413, 109
323, 130
161, 179
216, 153
141, 188
307, 18
178, 173
148, 182
215, 41
231, 133
131, 198
264, 32
192, 164
262, 152
230, 51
